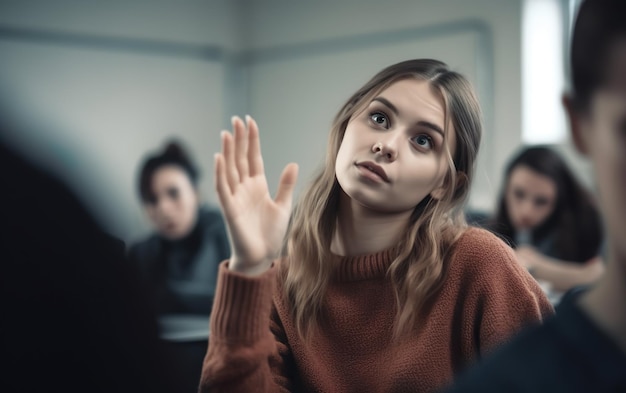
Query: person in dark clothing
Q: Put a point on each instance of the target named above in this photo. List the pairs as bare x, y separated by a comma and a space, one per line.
583, 348
73, 319
178, 262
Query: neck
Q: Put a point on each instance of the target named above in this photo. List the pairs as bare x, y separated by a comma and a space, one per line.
362, 231
605, 304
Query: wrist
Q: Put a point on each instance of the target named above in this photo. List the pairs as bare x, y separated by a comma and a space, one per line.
248, 268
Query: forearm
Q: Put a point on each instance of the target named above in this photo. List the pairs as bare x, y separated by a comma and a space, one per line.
564, 275
241, 342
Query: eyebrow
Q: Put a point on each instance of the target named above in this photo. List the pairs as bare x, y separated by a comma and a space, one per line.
422, 123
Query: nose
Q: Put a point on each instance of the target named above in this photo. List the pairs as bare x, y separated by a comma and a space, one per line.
164, 207
386, 149
527, 210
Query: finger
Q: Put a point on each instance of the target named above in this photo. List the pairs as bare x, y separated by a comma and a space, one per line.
241, 147
255, 159
286, 185
232, 175
222, 187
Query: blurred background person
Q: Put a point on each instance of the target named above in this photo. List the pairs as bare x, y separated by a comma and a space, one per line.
178, 262
550, 220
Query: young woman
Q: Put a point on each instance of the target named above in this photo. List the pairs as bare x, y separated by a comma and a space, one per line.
179, 261
382, 287
550, 220
583, 348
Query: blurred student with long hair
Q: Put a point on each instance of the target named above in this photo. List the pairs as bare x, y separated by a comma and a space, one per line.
550, 220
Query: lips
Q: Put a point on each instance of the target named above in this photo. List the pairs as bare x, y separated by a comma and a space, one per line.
374, 168
170, 226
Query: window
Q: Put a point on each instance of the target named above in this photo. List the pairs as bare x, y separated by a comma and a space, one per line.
543, 76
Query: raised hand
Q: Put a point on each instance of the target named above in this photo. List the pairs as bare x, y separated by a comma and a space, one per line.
256, 223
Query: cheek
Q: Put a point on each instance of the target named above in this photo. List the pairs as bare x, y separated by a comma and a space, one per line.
344, 150
188, 203
340, 157
425, 174
547, 209
540, 214
611, 182
416, 185
343, 161
153, 214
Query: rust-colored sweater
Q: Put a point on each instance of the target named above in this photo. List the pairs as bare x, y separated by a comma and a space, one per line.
254, 346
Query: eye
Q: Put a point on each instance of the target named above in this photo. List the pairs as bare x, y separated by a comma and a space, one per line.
379, 119
423, 140
519, 194
541, 202
172, 193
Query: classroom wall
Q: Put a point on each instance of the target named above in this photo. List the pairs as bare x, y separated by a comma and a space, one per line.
110, 81
313, 55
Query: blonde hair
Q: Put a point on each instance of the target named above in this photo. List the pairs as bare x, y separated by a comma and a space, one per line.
418, 269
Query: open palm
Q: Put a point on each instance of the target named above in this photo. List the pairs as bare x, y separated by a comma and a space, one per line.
256, 223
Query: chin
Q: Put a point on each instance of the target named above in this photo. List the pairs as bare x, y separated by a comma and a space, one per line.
172, 235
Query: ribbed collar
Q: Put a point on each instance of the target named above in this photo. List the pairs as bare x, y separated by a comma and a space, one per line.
363, 267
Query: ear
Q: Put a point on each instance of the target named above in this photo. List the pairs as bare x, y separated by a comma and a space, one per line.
574, 118
438, 192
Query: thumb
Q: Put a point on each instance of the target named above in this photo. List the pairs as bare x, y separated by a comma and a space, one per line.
286, 185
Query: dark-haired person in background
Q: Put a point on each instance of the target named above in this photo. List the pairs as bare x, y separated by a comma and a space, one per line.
583, 348
550, 220
179, 261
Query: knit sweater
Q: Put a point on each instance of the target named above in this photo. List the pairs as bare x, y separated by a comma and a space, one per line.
485, 298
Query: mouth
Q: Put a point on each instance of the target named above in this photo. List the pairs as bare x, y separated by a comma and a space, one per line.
374, 168
170, 226
525, 224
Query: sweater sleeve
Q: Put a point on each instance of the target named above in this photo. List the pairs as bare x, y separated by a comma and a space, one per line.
247, 348
505, 298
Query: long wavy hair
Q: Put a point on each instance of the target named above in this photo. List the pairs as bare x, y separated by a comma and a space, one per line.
418, 269
575, 221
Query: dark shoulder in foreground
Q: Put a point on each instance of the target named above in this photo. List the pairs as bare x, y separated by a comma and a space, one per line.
73, 318
147, 248
566, 354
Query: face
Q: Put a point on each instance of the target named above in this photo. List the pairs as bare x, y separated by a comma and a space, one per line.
602, 136
393, 153
530, 198
174, 207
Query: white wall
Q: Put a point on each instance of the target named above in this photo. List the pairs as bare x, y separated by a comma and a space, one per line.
104, 108
313, 84
103, 105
